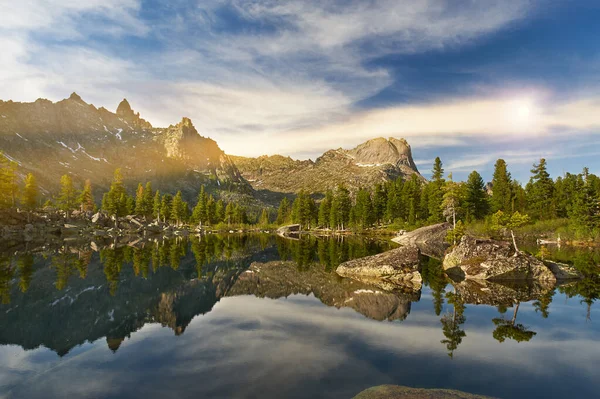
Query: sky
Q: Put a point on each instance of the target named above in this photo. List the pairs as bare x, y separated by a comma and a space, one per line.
470, 81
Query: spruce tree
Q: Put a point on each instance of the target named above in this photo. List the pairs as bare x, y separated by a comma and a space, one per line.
501, 199
200, 212
363, 210
148, 200
540, 192
219, 211
435, 193
211, 210
229, 214
117, 202
166, 206
476, 198
340, 209
379, 203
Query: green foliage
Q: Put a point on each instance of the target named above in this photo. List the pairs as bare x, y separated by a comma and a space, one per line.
86, 198
67, 198
116, 202
476, 201
454, 235
540, 193
304, 210
325, 210
501, 199
435, 194
29, 200
284, 211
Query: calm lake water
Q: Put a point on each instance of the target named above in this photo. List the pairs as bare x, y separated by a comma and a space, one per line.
258, 316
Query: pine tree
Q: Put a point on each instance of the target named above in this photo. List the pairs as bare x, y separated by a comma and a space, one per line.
86, 198
283, 213
584, 211
219, 211
340, 208
68, 194
264, 218
325, 210
379, 203
165, 207
211, 210
363, 210
156, 203
178, 208
31, 192
476, 199
435, 193
140, 206
117, 202
501, 199
540, 192
229, 214
148, 200
200, 212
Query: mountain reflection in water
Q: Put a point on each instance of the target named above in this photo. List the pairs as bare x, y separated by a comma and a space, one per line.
83, 305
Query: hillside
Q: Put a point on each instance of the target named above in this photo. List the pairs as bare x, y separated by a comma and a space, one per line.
71, 136
374, 161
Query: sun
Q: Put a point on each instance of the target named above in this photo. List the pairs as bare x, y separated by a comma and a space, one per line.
521, 111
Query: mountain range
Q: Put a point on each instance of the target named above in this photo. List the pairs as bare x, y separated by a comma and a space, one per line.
71, 136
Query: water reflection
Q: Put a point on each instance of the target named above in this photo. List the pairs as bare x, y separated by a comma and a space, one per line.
68, 297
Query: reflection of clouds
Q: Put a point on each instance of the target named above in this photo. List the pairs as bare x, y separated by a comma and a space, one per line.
249, 347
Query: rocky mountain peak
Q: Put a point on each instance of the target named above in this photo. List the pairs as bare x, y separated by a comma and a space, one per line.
75, 97
380, 151
124, 109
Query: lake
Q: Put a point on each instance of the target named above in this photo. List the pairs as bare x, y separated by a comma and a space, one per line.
259, 316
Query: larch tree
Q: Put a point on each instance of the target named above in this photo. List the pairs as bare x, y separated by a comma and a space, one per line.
68, 195
86, 198
31, 192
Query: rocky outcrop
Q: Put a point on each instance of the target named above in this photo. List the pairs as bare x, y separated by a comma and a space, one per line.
400, 265
431, 240
73, 137
372, 162
279, 279
484, 259
289, 231
400, 392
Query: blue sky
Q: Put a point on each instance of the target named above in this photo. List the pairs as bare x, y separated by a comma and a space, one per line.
468, 80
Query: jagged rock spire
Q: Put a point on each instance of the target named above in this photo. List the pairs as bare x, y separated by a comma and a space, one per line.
124, 109
75, 97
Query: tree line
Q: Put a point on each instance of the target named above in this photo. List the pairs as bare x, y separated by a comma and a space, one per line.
416, 202
117, 202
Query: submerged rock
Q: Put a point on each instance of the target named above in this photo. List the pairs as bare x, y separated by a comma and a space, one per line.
484, 259
400, 265
400, 392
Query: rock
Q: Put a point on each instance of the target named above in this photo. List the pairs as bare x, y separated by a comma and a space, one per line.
400, 392
494, 260
563, 271
398, 265
284, 231
431, 240
100, 233
70, 226
97, 218
501, 293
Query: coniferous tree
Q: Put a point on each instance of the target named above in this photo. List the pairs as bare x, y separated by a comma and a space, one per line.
31, 192
325, 210
264, 218
116, 201
86, 198
363, 210
379, 203
340, 209
229, 214
200, 212
585, 208
156, 205
476, 199
148, 200
166, 207
178, 208
501, 199
67, 197
435, 193
211, 210
283, 213
219, 211
140, 206
540, 192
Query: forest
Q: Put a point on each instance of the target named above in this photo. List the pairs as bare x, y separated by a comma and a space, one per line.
568, 205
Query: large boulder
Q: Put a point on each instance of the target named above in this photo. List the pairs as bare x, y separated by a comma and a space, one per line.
401, 265
431, 240
400, 392
484, 259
